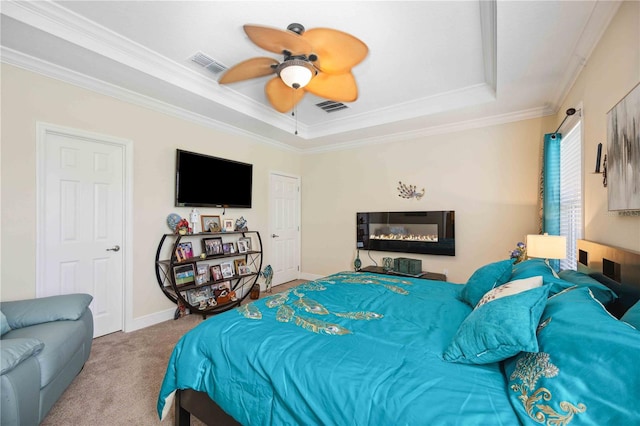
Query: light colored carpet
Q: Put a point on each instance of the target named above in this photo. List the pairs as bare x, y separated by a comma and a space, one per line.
120, 382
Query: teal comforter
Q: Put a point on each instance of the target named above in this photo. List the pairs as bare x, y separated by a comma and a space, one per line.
348, 349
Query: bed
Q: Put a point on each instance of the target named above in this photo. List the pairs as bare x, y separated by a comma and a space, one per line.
516, 344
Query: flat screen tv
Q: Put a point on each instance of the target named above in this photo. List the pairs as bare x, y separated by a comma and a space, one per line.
206, 181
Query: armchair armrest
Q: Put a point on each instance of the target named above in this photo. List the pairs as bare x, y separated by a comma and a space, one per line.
23, 313
14, 351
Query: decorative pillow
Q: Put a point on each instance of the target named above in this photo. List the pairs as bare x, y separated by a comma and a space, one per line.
632, 316
600, 291
499, 329
23, 313
484, 279
4, 324
510, 288
586, 368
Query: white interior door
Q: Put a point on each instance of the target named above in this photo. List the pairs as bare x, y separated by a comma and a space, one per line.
285, 228
81, 210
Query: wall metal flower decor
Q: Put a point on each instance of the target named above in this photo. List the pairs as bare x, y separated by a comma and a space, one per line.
409, 191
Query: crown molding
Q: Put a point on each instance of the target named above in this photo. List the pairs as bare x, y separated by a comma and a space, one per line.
47, 69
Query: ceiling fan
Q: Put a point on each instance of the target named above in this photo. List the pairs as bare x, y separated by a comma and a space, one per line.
318, 61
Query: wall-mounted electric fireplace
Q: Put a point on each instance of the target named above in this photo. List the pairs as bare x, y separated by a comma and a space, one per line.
407, 232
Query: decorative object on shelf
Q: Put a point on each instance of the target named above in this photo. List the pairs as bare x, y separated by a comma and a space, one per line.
194, 218
604, 171
519, 253
172, 220
255, 292
387, 264
623, 146
241, 224
409, 191
598, 158
183, 227
210, 223
267, 273
357, 264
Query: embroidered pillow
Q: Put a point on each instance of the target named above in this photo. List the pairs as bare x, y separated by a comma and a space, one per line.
586, 368
600, 291
499, 329
632, 316
510, 288
484, 279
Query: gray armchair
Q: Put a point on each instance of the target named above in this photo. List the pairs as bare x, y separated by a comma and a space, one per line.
45, 343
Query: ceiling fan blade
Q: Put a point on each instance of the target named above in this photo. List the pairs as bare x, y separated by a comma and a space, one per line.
337, 51
251, 68
282, 97
337, 87
277, 41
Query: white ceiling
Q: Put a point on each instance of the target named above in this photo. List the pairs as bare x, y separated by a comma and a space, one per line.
433, 66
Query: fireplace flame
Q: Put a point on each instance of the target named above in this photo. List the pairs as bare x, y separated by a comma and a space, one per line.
405, 237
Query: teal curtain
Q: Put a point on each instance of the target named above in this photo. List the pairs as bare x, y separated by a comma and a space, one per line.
551, 188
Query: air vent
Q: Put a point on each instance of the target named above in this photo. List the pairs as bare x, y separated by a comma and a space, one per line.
208, 62
331, 106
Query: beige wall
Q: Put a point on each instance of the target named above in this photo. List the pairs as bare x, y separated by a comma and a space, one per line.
610, 73
488, 176
28, 98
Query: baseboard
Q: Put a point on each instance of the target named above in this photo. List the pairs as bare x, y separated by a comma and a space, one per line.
151, 319
310, 277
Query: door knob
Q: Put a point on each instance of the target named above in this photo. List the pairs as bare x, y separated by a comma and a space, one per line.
114, 248
274, 236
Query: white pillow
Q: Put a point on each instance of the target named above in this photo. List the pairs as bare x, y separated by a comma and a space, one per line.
510, 288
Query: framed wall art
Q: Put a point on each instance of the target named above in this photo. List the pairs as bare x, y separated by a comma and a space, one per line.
210, 223
623, 147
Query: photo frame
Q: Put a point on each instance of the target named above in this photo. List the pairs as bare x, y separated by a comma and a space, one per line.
247, 241
228, 225
237, 263
210, 223
184, 275
244, 270
216, 273
212, 246
242, 246
199, 297
623, 152
227, 269
202, 275
184, 251
228, 248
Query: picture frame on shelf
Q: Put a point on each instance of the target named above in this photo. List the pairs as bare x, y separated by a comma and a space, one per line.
244, 270
210, 223
199, 297
228, 225
184, 275
238, 263
216, 273
183, 251
227, 269
212, 246
228, 248
202, 275
242, 246
247, 241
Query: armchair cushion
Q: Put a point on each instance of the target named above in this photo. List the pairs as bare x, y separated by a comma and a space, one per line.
14, 351
4, 324
24, 313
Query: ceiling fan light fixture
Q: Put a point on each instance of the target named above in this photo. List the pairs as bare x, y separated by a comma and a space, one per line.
296, 73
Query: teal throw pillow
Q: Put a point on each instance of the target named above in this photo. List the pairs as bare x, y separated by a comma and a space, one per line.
600, 291
4, 325
585, 371
632, 316
484, 279
499, 328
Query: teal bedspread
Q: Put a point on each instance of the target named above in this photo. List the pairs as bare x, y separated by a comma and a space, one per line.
351, 348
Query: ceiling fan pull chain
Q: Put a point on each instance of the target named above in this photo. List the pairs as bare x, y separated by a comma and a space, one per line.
294, 111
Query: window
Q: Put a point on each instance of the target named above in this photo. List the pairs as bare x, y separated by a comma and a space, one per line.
571, 193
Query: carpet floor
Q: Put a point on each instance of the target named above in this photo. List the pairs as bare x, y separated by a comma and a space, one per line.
120, 382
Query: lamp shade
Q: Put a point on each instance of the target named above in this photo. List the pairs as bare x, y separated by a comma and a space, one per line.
296, 73
547, 246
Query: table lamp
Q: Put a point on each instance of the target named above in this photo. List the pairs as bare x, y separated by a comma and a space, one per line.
547, 247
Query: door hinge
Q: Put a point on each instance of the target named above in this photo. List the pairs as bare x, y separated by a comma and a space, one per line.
298, 268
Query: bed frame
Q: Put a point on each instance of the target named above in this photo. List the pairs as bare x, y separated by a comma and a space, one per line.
617, 268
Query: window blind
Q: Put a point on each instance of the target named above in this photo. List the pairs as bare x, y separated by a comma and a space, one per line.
571, 193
